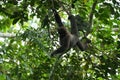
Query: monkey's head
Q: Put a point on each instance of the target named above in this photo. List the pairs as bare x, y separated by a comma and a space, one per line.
62, 31
86, 40
86, 43
70, 16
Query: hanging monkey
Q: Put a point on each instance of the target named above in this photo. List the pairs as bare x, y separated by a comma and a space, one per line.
67, 39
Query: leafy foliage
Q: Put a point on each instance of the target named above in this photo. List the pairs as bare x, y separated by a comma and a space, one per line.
26, 56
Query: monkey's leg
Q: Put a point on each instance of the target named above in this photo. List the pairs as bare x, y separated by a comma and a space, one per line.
61, 50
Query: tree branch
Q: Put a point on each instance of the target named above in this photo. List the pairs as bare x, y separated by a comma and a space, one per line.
68, 11
91, 13
7, 35
54, 67
90, 21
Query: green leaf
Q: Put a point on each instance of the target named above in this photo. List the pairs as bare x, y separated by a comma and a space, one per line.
15, 21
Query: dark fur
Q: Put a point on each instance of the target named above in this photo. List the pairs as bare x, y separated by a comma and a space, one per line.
57, 18
67, 39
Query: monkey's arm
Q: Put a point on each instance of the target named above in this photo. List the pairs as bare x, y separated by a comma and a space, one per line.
57, 18
74, 29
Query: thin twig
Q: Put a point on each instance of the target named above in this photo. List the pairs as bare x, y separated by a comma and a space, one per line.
91, 13
54, 67
90, 21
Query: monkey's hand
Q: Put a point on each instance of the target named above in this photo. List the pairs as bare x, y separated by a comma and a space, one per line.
70, 17
54, 11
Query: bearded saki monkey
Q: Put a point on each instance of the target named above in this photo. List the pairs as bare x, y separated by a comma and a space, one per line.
67, 39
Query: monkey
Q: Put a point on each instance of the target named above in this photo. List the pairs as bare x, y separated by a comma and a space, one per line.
82, 45
67, 39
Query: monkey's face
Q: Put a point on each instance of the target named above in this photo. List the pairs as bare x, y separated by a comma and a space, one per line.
86, 40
